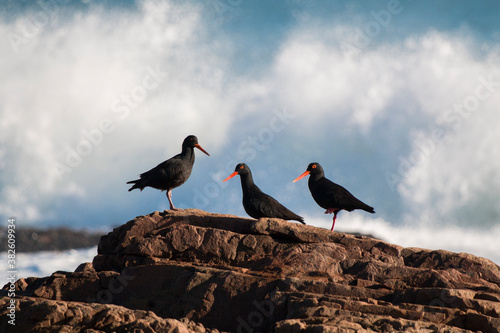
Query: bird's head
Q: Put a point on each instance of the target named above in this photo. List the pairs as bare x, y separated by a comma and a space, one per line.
191, 141
313, 168
241, 169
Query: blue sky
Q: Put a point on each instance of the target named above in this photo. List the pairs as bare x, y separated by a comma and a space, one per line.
398, 100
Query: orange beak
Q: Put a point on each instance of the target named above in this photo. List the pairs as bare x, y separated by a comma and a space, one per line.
302, 176
200, 148
231, 176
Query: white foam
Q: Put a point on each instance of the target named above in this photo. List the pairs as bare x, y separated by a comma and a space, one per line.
44, 263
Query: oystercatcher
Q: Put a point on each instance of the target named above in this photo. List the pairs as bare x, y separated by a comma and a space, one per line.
329, 195
172, 173
257, 204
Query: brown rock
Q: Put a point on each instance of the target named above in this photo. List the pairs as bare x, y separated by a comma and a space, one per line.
42, 315
234, 274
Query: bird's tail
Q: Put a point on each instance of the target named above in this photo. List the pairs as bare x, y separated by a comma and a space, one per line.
369, 209
135, 182
301, 220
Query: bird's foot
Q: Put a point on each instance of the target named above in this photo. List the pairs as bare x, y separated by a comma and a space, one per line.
175, 209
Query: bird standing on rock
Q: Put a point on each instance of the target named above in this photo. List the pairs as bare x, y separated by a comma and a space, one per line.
329, 195
172, 173
257, 204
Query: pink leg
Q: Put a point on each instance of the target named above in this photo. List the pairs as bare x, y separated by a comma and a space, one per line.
334, 218
335, 211
169, 197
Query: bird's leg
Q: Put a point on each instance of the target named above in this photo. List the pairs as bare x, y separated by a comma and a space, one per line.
169, 197
335, 211
334, 218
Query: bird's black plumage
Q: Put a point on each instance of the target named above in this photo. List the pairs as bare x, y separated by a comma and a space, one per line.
257, 204
171, 173
329, 195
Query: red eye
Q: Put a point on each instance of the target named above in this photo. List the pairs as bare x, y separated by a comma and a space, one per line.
314, 166
242, 167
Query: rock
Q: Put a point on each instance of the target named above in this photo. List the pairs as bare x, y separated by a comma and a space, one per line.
222, 272
42, 315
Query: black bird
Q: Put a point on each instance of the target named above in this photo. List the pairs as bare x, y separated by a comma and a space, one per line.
173, 172
329, 195
257, 204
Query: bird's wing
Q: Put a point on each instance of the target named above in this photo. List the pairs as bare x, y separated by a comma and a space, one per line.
272, 208
337, 195
163, 169
268, 205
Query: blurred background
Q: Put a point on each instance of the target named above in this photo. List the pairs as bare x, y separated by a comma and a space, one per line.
397, 100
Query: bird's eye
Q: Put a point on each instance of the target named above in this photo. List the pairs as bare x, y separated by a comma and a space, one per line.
242, 167
314, 166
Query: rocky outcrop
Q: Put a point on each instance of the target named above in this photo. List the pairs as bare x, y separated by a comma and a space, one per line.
205, 272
